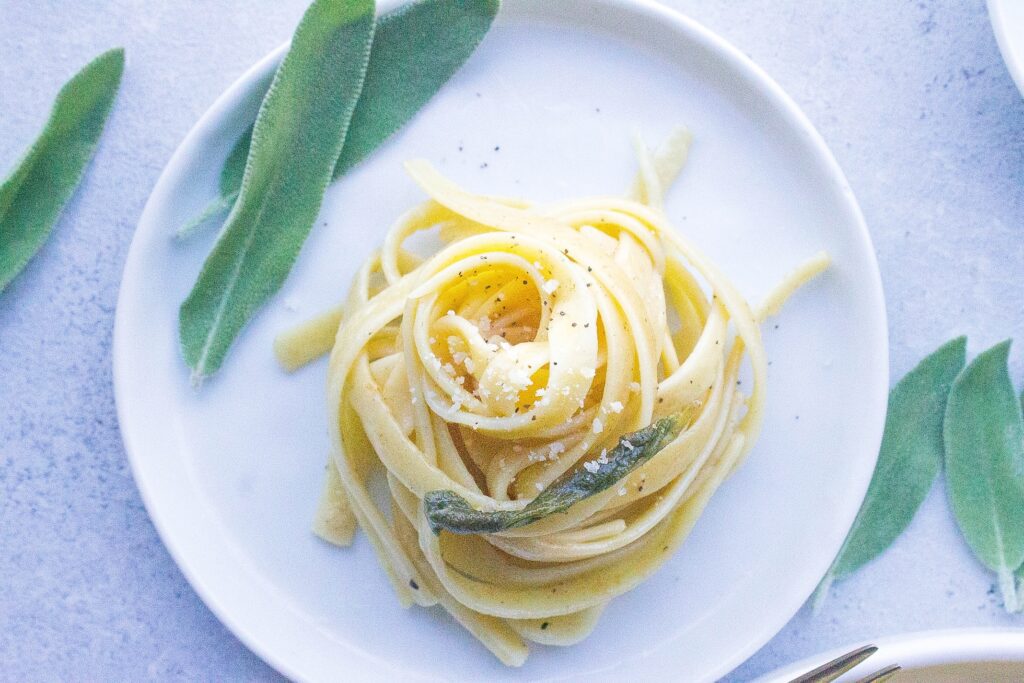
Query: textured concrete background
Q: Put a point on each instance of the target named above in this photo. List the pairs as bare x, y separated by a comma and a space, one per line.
912, 96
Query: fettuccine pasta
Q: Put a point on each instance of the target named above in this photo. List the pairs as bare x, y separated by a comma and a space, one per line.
516, 355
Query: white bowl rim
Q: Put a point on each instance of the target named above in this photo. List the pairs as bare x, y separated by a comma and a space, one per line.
923, 648
1013, 52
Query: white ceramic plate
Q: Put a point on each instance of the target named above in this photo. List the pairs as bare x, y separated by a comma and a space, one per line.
1008, 23
231, 474
989, 655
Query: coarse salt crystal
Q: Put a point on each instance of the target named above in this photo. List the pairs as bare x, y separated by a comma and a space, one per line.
598, 426
550, 286
615, 406
591, 466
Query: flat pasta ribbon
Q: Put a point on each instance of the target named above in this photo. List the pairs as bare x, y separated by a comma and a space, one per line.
514, 358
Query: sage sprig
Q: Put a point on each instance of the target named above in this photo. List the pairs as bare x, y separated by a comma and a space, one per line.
971, 419
416, 49
908, 461
984, 434
296, 141
448, 511
33, 196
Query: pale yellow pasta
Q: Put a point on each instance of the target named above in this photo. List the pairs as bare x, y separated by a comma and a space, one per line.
520, 351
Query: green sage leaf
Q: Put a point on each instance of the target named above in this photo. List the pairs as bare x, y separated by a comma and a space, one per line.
32, 198
230, 181
416, 49
984, 434
1020, 569
908, 461
296, 141
448, 511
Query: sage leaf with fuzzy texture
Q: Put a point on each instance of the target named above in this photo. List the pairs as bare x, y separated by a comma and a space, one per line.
296, 141
1020, 569
416, 49
984, 434
908, 461
230, 180
32, 198
448, 511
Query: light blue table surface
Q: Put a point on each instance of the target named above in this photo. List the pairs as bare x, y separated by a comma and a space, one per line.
912, 97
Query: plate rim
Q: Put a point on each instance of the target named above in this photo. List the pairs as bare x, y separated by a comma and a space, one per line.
921, 648
649, 10
1012, 52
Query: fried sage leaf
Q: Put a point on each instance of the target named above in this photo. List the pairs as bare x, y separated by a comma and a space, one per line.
296, 141
448, 511
984, 435
416, 49
908, 461
32, 198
